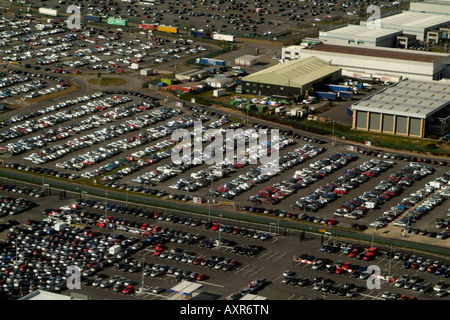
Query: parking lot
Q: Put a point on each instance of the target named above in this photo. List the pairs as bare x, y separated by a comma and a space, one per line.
256, 19
51, 47
121, 140
159, 249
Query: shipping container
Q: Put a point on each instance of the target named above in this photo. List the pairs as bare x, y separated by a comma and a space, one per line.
177, 88
117, 22
326, 95
199, 34
223, 37
166, 81
146, 26
48, 12
208, 61
219, 92
92, 18
345, 95
337, 87
168, 29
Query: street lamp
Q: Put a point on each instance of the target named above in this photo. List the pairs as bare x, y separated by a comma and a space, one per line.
210, 196
143, 268
220, 227
333, 142
106, 204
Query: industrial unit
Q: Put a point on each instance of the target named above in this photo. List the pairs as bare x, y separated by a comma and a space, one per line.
192, 75
377, 62
292, 78
415, 23
431, 6
246, 60
360, 36
407, 108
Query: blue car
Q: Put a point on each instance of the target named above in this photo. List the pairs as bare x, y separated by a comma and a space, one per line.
406, 265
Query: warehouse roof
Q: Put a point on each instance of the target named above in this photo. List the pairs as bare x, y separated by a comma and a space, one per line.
45, 295
379, 53
295, 73
357, 31
411, 98
413, 19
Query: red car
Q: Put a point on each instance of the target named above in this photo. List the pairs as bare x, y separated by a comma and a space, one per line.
159, 247
332, 222
128, 290
367, 257
215, 226
347, 266
201, 277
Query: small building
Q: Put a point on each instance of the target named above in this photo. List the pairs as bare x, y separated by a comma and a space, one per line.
192, 75
147, 72
220, 82
291, 78
408, 108
246, 60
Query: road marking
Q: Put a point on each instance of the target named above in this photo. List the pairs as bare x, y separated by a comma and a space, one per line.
279, 257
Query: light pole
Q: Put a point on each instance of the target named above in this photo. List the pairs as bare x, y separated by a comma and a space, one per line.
210, 199
333, 143
143, 268
220, 227
106, 204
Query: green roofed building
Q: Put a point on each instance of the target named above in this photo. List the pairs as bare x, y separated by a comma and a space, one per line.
291, 78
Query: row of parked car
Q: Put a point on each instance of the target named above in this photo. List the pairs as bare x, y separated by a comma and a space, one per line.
410, 158
394, 186
325, 194
13, 206
24, 125
37, 255
256, 175
279, 191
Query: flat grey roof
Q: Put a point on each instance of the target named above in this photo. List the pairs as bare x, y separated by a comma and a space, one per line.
352, 31
411, 98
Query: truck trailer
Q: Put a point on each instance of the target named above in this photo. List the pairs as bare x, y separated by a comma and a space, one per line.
208, 61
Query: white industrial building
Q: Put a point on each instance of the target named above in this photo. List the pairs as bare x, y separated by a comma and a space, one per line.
413, 23
360, 36
407, 108
431, 6
246, 60
376, 62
